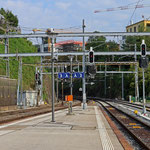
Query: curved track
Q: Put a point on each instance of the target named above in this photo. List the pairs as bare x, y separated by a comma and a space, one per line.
139, 106
139, 131
126, 103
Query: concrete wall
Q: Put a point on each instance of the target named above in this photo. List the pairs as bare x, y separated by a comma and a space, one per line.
8, 92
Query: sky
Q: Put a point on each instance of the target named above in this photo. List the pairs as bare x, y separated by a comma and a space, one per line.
63, 14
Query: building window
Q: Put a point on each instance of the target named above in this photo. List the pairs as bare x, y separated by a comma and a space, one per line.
148, 25
127, 30
134, 29
130, 29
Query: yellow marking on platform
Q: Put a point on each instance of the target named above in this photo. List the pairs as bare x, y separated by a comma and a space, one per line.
111, 108
136, 127
135, 111
132, 124
123, 117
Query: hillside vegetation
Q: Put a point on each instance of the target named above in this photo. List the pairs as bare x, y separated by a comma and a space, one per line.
17, 45
20, 45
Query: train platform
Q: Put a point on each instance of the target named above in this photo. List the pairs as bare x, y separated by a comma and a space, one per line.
84, 130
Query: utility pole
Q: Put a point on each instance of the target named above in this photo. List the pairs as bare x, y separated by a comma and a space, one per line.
41, 75
83, 69
53, 83
7, 59
21, 88
58, 70
18, 89
62, 87
105, 86
37, 87
136, 77
122, 86
143, 47
144, 100
71, 85
137, 85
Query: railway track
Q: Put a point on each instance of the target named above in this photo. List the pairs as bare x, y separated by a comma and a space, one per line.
137, 129
139, 106
14, 115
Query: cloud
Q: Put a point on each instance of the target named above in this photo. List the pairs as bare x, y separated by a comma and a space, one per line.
63, 5
33, 14
68, 13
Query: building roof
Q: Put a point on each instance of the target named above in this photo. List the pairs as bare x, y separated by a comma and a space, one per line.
137, 23
69, 42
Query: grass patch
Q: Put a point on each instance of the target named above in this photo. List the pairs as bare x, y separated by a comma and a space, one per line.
20, 45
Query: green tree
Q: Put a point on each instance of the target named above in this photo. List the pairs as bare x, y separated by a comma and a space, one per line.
100, 44
130, 79
10, 18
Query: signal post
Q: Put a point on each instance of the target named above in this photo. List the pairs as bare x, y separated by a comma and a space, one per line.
143, 63
91, 70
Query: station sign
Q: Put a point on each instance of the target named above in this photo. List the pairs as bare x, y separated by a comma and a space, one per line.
78, 75
63, 75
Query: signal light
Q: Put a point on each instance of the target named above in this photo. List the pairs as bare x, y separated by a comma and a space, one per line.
143, 50
65, 68
38, 78
91, 57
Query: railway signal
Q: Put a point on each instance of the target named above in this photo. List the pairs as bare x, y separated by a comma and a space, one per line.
38, 78
91, 70
143, 50
143, 61
91, 55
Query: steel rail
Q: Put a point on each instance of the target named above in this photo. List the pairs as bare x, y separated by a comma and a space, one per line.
135, 136
132, 105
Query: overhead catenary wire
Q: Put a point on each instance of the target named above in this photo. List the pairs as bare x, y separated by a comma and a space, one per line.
134, 11
125, 7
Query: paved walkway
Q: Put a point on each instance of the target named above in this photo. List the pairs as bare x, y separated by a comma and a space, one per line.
85, 130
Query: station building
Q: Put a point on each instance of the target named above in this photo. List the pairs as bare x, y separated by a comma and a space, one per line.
69, 45
141, 26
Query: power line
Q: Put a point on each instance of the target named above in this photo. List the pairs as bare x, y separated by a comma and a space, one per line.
134, 11
126, 7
